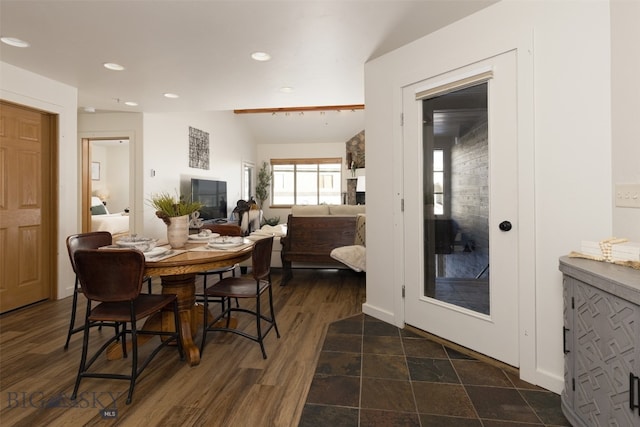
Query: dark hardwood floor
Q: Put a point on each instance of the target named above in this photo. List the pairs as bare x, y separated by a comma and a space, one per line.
232, 386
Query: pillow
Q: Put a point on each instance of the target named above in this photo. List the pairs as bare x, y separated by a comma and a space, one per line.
353, 257
99, 210
346, 209
309, 210
95, 201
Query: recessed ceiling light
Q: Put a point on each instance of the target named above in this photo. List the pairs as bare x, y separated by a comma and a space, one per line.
261, 56
113, 66
131, 103
171, 95
286, 89
15, 42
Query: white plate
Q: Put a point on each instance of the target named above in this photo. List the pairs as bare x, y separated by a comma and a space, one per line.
226, 240
197, 238
155, 252
225, 245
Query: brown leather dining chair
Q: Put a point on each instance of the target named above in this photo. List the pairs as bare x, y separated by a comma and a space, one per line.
113, 279
245, 287
223, 230
91, 240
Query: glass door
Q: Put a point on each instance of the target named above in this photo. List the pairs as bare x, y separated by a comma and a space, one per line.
456, 208
460, 178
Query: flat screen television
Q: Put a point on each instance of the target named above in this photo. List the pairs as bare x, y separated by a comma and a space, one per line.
212, 195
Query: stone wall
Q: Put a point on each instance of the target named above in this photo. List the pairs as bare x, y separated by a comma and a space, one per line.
354, 153
470, 203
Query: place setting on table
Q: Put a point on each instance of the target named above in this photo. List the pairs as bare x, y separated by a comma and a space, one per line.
216, 242
147, 245
155, 250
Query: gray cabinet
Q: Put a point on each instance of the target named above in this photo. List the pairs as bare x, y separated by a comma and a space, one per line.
601, 334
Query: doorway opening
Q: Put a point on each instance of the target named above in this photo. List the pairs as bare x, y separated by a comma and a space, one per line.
106, 185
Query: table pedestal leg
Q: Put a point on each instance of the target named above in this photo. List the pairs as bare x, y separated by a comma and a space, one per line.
183, 286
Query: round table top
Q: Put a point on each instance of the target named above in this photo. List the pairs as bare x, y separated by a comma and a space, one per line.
195, 261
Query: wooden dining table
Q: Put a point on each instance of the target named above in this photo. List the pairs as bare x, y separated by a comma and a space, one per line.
178, 276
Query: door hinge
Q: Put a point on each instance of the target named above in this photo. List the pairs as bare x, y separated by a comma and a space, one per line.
573, 384
403, 291
573, 303
401, 119
401, 205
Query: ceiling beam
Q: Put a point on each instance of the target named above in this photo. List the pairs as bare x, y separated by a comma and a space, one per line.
348, 107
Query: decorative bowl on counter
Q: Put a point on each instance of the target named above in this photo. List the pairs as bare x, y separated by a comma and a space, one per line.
144, 244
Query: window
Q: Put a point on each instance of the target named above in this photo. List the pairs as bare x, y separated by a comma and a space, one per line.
306, 181
438, 182
248, 169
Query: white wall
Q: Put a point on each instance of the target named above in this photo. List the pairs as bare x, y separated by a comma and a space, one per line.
117, 177
565, 189
266, 152
32, 90
625, 109
166, 151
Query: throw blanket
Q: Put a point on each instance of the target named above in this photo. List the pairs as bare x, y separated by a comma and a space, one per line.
353, 256
279, 230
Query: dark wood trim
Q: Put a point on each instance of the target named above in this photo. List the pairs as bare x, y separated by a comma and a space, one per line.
348, 107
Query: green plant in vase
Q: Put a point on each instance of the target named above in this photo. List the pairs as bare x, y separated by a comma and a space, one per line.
168, 206
175, 213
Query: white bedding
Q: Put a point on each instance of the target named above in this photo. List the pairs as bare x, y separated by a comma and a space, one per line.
113, 223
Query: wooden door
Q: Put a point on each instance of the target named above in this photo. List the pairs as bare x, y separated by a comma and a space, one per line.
26, 200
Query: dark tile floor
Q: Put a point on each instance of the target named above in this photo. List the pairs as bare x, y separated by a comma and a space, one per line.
371, 373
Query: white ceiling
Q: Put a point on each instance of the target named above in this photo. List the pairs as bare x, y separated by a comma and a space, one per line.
201, 51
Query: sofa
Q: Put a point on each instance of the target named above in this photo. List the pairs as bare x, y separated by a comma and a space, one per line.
313, 232
279, 231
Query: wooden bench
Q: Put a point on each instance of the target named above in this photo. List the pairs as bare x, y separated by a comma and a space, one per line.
310, 239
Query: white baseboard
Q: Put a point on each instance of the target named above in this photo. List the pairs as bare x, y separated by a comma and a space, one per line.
384, 315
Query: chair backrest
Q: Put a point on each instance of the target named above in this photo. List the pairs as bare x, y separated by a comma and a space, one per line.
261, 258
225, 229
92, 240
109, 275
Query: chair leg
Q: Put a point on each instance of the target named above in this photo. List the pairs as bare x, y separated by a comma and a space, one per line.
273, 314
85, 349
258, 328
134, 362
205, 322
74, 306
124, 338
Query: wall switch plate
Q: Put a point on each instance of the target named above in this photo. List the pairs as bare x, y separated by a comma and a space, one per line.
627, 195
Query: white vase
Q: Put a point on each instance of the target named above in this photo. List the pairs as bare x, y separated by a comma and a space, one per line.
178, 231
